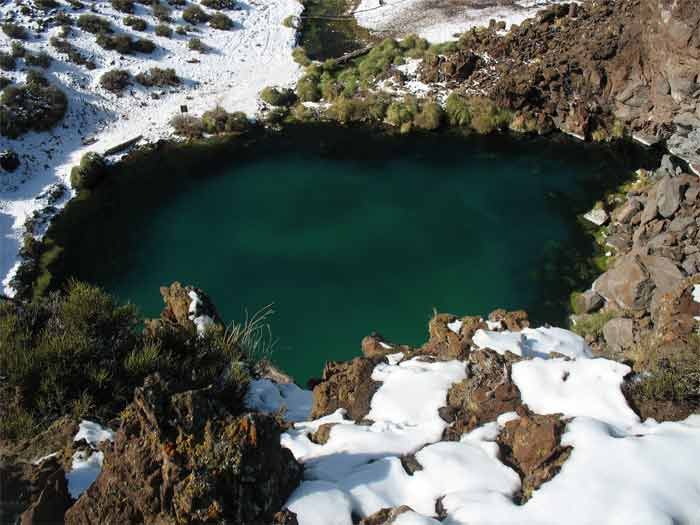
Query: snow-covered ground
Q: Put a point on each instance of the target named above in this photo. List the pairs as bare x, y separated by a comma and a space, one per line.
240, 62
443, 21
621, 470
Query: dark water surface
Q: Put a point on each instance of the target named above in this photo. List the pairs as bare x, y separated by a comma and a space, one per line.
348, 233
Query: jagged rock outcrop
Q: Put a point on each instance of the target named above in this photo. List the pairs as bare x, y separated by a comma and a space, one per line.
608, 62
531, 445
178, 313
385, 516
187, 457
487, 392
347, 385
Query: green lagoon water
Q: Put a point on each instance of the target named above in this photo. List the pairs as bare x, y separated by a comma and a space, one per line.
346, 236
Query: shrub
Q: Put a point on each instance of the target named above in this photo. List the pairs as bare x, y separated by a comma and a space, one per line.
7, 62
457, 110
177, 2
32, 106
17, 50
46, 5
66, 48
187, 126
143, 45
300, 57
307, 89
164, 30
40, 59
136, 23
220, 21
278, 97
4, 81
161, 12
276, 115
346, 110
34, 77
430, 116
194, 14
486, 117
76, 4
89, 172
158, 77
120, 43
219, 4
592, 324
115, 80
94, 24
218, 120
13, 30
125, 6
195, 44
181, 30
63, 19
400, 113
289, 22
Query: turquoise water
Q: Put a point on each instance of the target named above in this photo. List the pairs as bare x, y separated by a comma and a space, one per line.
346, 236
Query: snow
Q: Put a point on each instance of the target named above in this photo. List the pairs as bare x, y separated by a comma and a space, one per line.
241, 62
455, 326
267, 396
696, 293
384, 345
441, 22
533, 342
201, 321
44, 458
620, 470
395, 359
87, 465
584, 387
93, 433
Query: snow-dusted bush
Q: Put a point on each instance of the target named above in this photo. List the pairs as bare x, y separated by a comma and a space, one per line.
40, 59
94, 24
32, 106
125, 6
115, 80
161, 12
195, 44
219, 4
194, 14
164, 30
66, 48
187, 126
135, 23
220, 21
15, 31
7, 61
218, 120
17, 50
158, 77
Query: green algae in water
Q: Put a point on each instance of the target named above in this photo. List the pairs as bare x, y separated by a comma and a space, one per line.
346, 233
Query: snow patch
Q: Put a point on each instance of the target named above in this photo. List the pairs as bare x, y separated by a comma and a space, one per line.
533, 342
87, 464
267, 396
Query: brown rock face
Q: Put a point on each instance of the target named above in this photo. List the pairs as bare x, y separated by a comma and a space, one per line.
184, 457
347, 385
444, 343
385, 516
53, 498
674, 318
459, 66
487, 392
176, 312
531, 445
374, 346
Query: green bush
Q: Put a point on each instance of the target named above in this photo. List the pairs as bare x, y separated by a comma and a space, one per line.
300, 57
7, 62
193, 14
289, 22
17, 50
32, 106
94, 24
307, 89
89, 172
143, 45
592, 324
430, 117
46, 5
161, 12
187, 126
135, 23
40, 59
195, 44
13, 30
158, 77
125, 6
115, 80
219, 4
63, 19
220, 21
4, 82
278, 97
457, 110
164, 30
66, 48
486, 116
218, 121
401, 113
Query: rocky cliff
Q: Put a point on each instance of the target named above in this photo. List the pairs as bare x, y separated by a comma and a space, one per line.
591, 69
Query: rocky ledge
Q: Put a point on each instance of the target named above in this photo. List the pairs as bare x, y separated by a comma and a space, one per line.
592, 70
